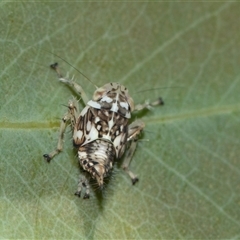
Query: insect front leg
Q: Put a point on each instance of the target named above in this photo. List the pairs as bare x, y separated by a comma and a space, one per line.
134, 131
71, 83
69, 117
148, 105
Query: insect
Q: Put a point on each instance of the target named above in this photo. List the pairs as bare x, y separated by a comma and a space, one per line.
102, 131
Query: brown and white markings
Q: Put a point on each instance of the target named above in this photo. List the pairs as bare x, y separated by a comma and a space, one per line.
101, 132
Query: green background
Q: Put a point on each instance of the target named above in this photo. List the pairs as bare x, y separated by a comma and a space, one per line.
189, 168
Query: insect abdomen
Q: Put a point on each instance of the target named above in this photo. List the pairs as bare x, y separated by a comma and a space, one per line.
97, 158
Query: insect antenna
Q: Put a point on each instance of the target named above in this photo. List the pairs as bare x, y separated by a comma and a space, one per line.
151, 89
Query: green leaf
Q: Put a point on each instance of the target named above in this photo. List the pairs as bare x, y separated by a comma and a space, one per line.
189, 168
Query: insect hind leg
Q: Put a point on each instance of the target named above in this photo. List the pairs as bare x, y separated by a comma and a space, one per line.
69, 117
135, 128
134, 131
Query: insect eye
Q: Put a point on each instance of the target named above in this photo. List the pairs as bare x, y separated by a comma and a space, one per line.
99, 93
131, 103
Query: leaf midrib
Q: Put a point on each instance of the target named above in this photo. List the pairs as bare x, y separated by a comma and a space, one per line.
199, 113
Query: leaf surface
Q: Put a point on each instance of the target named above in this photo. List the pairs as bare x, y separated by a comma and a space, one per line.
188, 157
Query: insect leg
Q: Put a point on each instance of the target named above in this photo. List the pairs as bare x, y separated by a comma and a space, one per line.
148, 105
135, 129
83, 183
71, 117
71, 83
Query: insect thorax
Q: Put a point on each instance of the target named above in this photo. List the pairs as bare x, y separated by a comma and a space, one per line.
101, 130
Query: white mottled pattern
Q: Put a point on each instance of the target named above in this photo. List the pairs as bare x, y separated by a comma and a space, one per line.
94, 104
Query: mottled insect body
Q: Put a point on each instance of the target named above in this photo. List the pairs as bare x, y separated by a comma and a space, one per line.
101, 132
